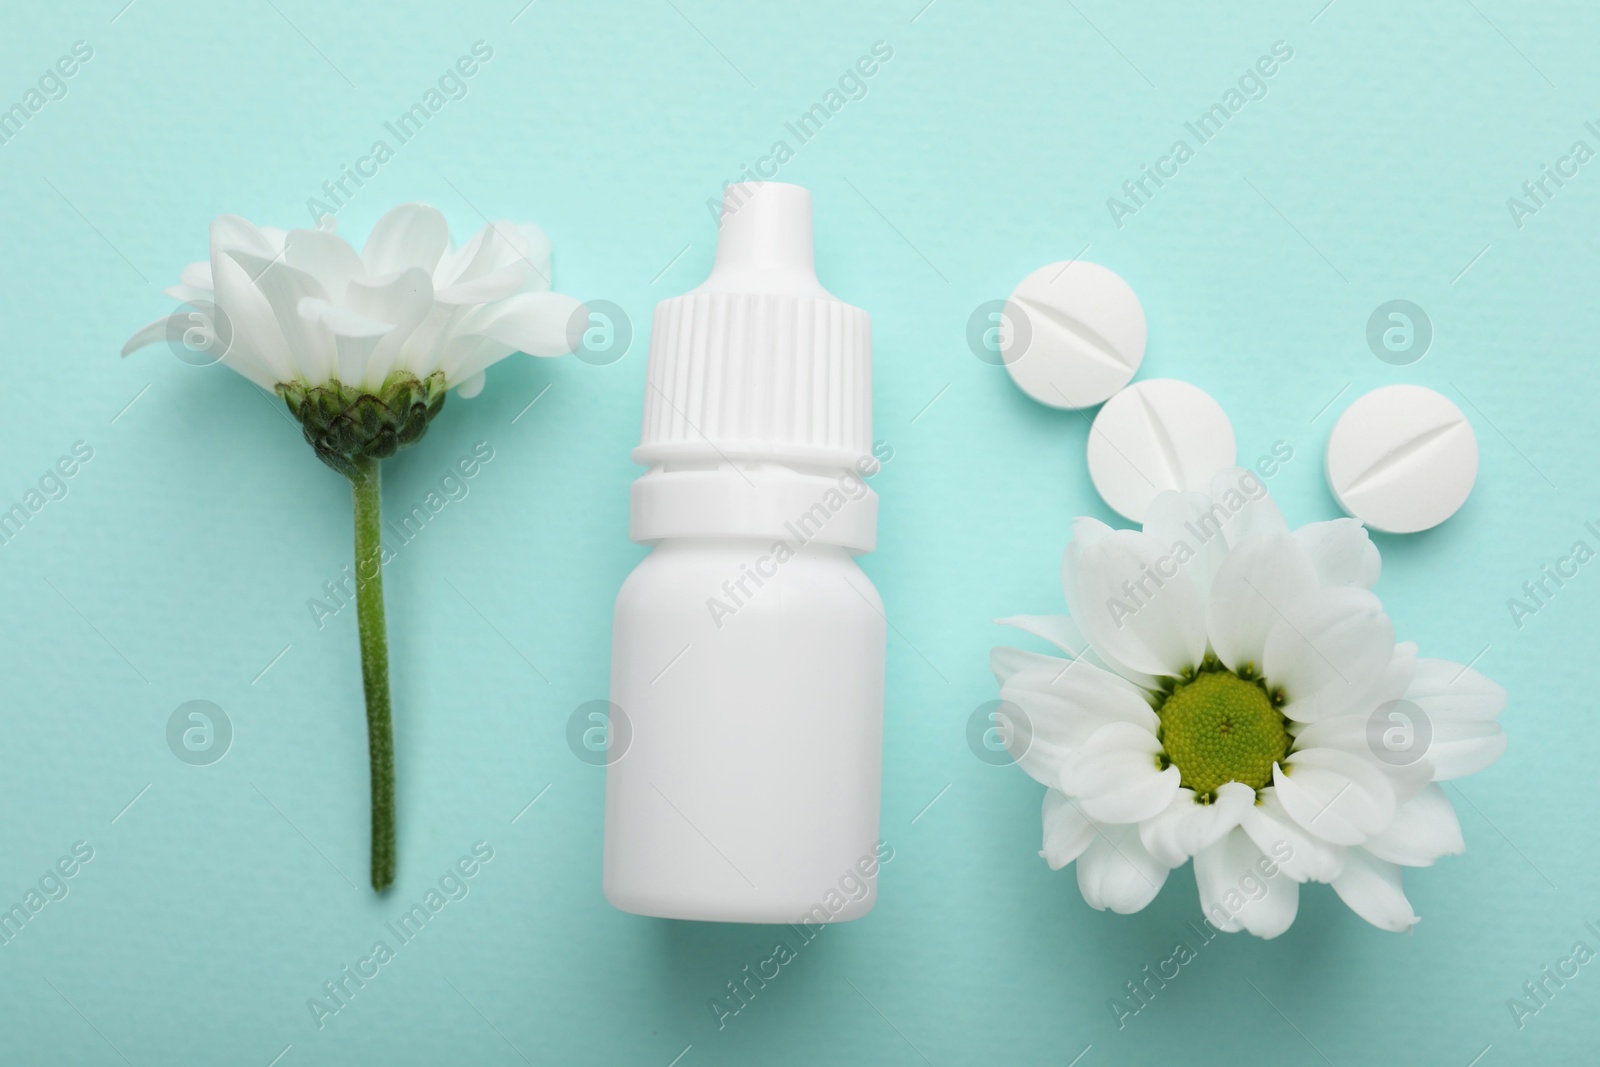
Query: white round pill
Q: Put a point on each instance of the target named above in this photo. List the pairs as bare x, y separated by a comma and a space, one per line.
1402, 458
1075, 334
1157, 435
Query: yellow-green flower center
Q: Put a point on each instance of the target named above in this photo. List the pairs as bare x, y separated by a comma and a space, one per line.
1218, 727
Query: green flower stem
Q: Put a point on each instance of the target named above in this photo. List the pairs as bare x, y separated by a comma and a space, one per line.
367, 485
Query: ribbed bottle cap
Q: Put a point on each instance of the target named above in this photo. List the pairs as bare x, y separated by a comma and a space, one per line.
760, 361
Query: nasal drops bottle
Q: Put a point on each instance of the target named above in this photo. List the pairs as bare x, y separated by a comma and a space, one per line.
748, 648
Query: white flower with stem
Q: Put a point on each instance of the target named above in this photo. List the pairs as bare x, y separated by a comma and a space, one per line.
1232, 693
363, 348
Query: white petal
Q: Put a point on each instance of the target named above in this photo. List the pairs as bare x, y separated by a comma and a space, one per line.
274, 238
341, 321
237, 358
1007, 662
1067, 831
1244, 507
433, 345
250, 318
538, 323
411, 235
1059, 630
496, 285
1394, 735
310, 343
1336, 796
1462, 707
533, 251
197, 276
1259, 579
1342, 552
535, 323
1062, 632
1115, 777
326, 257
1350, 731
1326, 650
521, 246
1116, 872
1184, 524
1185, 827
147, 334
1051, 706
1463, 748
1448, 690
464, 356
1424, 828
471, 387
1302, 856
354, 336
353, 356
1132, 612
229, 232
1408, 779
1371, 888
1236, 892
1407, 765
1395, 680
186, 294
404, 300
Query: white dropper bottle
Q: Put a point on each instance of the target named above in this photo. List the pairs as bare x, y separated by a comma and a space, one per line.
747, 647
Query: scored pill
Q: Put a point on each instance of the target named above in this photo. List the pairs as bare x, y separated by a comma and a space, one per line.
1402, 459
1075, 335
1157, 435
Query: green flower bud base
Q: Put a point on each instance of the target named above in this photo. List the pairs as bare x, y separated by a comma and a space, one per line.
346, 425
351, 431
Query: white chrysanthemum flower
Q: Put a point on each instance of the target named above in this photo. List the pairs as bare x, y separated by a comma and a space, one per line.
304, 307
1226, 696
363, 348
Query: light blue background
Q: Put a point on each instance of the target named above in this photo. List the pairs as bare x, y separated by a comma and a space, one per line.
179, 565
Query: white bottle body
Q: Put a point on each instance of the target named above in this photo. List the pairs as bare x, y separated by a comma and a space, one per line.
751, 677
